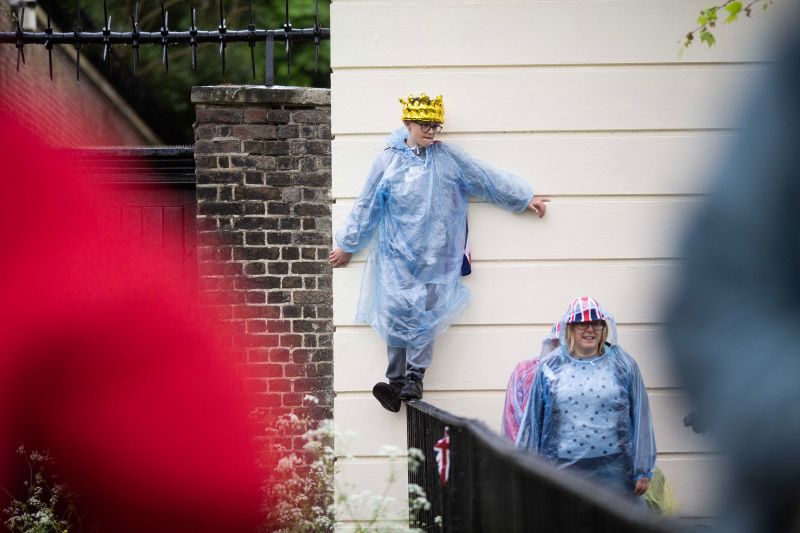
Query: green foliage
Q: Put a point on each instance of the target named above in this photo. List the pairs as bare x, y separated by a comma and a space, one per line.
161, 97
47, 506
708, 19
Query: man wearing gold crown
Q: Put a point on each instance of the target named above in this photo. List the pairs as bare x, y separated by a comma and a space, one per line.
414, 204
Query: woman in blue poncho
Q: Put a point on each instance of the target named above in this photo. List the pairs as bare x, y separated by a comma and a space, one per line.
588, 411
413, 209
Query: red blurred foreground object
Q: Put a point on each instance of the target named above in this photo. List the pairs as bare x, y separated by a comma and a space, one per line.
106, 362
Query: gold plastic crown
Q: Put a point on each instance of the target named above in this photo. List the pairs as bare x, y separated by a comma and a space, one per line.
423, 108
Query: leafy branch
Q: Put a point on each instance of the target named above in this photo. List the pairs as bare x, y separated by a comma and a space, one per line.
731, 10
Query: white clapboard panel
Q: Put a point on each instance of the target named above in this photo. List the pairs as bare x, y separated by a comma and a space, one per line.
564, 32
535, 293
364, 482
696, 482
547, 99
572, 229
470, 358
564, 164
376, 427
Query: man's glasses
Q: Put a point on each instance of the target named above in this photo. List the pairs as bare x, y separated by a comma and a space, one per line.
428, 126
596, 325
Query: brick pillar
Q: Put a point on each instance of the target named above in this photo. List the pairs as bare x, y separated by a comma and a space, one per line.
264, 232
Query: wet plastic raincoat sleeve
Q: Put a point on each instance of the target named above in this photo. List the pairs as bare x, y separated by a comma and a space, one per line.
356, 231
519, 386
643, 439
530, 427
493, 185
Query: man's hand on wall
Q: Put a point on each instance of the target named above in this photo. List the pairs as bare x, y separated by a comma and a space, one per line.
538, 205
339, 258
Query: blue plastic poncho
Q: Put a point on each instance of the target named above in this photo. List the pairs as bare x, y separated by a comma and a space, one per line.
591, 415
415, 206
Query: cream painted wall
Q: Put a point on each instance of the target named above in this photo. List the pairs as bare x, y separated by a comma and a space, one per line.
589, 101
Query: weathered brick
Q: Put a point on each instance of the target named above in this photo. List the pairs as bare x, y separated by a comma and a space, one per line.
310, 297
292, 282
290, 253
254, 238
322, 355
255, 269
310, 341
254, 132
309, 282
279, 385
310, 237
259, 282
255, 115
278, 116
258, 193
276, 237
311, 116
215, 238
289, 223
280, 179
280, 355
278, 268
256, 297
254, 147
318, 147
279, 297
252, 223
256, 326
311, 326
313, 179
287, 162
292, 341
255, 254
276, 148
219, 114
254, 178
219, 176
312, 384
258, 355
256, 311
294, 370
293, 400
226, 146
254, 208
288, 131
278, 208
312, 210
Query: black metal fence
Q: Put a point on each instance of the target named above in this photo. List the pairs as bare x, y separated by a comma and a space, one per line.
165, 37
494, 486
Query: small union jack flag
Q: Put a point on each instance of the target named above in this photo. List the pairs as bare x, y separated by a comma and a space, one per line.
442, 450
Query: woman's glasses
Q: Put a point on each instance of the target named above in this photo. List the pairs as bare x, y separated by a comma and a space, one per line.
595, 324
428, 126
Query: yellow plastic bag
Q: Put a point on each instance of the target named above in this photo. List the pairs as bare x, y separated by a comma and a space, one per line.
659, 496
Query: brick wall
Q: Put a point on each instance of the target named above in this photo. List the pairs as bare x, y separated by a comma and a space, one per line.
263, 191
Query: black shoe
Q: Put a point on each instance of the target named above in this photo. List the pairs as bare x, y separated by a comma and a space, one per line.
412, 390
388, 395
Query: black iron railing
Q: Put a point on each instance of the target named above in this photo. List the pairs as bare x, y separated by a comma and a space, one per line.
165, 37
493, 486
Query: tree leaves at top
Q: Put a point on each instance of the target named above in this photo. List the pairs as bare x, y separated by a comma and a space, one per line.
708, 19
